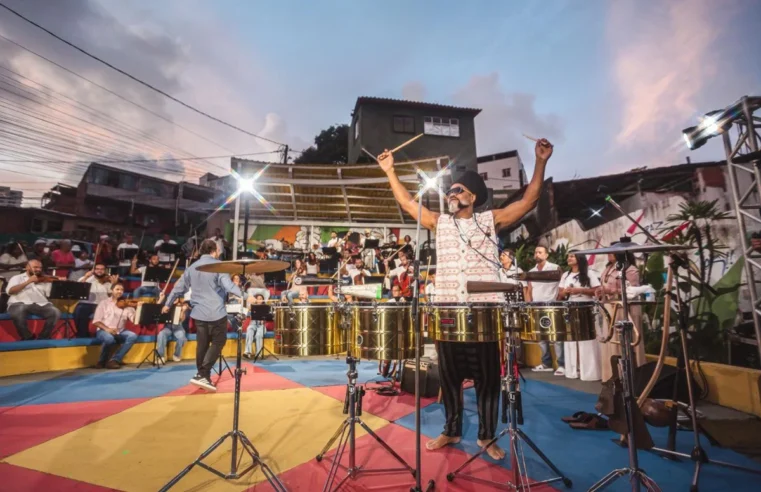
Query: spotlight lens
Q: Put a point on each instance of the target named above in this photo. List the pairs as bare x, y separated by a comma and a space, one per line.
687, 140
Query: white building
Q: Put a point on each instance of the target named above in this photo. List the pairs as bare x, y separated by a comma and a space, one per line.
9, 197
502, 171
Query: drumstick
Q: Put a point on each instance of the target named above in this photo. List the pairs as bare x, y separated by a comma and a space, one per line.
368, 153
400, 147
531, 138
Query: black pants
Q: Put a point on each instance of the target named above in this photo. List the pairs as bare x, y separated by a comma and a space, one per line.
481, 363
19, 312
82, 314
209, 332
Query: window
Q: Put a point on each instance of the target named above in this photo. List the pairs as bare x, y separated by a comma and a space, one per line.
151, 187
445, 127
404, 124
127, 182
356, 129
484, 176
507, 172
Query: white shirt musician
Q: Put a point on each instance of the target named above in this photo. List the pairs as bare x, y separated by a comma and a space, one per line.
546, 292
509, 272
110, 320
29, 293
467, 251
147, 288
126, 251
164, 257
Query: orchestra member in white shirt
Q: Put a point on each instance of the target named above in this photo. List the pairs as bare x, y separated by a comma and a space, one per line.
100, 290
164, 257
110, 320
28, 295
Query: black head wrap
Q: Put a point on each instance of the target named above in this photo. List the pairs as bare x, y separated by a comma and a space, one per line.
475, 183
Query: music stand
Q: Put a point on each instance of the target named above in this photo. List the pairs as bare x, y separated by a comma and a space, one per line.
372, 243
274, 277
169, 249
157, 274
67, 290
150, 314
262, 312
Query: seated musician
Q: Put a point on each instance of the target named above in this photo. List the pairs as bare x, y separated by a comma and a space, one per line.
82, 264
392, 272
509, 271
299, 270
63, 258
41, 252
257, 287
178, 331
406, 283
29, 295
465, 247
125, 251
357, 270
256, 331
430, 287
233, 300
12, 261
146, 289
101, 289
164, 257
110, 319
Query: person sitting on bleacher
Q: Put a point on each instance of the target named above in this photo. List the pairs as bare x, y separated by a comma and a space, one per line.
110, 320
179, 336
146, 289
101, 288
29, 296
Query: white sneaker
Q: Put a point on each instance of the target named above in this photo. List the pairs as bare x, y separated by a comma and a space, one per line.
541, 368
572, 375
176, 359
203, 383
560, 371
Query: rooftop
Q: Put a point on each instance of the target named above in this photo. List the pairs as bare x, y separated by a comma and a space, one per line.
495, 157
415, 104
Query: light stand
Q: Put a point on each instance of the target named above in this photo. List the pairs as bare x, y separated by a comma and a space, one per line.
222, 360
346, 433
520, 479
698, 454
235, 435
625, 328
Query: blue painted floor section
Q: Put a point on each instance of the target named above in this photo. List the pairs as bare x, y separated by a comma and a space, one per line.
311, 373
586, 456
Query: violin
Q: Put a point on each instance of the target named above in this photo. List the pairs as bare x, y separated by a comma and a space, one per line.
359, 279
123, 303
47, 278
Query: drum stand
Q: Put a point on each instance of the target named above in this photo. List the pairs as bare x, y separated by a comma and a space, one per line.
520, 479
625, 328
222, 360
235, 435
346, 433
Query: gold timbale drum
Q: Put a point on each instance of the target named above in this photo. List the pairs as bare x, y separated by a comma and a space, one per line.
304, 330
474, 322
558, 321
383, 332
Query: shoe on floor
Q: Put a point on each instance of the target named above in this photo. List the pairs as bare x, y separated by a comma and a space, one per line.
176, 359
160, 360
204, 383
248, 355
541, 368
100, 365
571, 375
113, 364
560, 371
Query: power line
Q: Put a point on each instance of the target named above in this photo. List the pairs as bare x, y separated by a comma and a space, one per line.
127, 161
126, 74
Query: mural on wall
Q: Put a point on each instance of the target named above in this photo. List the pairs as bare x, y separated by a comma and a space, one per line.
303, 237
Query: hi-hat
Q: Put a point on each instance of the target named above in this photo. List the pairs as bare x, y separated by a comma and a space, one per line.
245, 266
621, 248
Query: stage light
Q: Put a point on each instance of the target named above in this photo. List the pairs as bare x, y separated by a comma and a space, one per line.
246, 185
712, 124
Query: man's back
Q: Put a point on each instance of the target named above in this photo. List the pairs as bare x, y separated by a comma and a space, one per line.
209, 290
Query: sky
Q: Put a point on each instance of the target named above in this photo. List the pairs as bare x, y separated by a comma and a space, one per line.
610, 83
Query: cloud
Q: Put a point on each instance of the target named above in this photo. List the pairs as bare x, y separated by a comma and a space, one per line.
413, 91
664, 58
506, 116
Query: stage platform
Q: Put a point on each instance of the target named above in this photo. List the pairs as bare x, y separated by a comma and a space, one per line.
134, 429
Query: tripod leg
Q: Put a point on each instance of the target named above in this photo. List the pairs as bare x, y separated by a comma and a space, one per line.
332, 440
544, 458
608, 479
337, 459
386, 447
187, 469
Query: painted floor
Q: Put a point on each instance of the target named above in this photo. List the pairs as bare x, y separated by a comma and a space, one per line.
133, 430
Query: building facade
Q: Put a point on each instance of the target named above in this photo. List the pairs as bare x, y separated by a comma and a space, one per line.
10, 198
502, 171
380, 123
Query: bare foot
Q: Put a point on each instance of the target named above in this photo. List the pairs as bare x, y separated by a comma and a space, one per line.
494, 451
440, 442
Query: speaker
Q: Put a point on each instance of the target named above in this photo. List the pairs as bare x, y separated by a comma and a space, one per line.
429, 378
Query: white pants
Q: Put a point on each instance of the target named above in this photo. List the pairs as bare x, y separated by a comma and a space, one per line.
589, 360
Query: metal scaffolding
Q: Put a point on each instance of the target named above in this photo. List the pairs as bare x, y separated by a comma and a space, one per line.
743, 161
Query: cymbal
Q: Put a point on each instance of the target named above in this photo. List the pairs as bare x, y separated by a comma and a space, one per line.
633, 248
245, 266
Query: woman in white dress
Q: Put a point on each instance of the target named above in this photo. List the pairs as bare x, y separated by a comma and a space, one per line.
579, 285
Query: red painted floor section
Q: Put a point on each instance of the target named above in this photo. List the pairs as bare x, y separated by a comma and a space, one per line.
311, 476
390, 408
24, 427
256, 379
17, 479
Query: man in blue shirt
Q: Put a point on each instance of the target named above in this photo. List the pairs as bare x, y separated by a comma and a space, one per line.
207, 310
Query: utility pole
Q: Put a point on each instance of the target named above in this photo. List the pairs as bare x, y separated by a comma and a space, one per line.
285, 155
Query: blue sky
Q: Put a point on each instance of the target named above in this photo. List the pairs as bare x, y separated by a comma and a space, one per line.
612, 83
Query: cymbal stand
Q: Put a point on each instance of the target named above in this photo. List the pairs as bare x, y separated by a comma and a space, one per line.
346, 433
698, 454
520, 480
235, 435
625, 327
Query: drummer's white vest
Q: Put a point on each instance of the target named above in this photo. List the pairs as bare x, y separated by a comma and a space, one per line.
466, 251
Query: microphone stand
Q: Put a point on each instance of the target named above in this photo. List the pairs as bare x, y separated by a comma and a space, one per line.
416, 323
